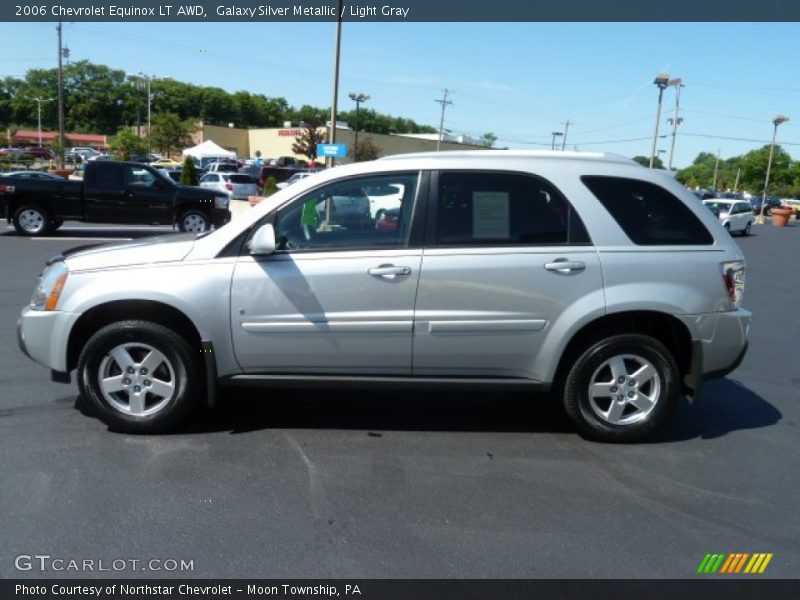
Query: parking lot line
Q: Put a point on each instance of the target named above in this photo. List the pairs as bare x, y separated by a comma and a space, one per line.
73, 239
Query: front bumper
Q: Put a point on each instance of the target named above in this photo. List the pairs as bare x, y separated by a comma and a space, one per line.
719, 343
220, 216
43, 336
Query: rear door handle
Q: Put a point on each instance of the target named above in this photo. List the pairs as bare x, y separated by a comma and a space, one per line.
562, 265
389, 271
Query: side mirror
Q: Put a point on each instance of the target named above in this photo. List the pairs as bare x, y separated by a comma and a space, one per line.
263, 242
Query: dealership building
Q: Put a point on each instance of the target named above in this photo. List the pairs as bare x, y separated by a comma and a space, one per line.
278, 141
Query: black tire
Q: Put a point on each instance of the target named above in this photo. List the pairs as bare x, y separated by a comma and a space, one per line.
727, 227
55, 224
576, 395
379, 214
180, 367
747, 228
31, 220
194, 220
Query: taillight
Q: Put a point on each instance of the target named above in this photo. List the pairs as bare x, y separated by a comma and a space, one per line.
733, 277
229, 186
6, 189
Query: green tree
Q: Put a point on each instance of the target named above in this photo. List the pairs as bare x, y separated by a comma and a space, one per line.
126, 144
488, 139
170, 134
189, 173
645, 161
367, 150
270, 186
306, 143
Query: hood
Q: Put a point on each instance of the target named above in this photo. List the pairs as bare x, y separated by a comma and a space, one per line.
191, 191
157, 249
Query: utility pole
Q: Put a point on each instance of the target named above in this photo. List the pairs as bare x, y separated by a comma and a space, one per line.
60, 100
736, 185
716, 170
676, 120
555, 135
337, 51
564, 141
444, 102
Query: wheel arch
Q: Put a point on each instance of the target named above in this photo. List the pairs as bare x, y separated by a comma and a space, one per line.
666, 328
147, 310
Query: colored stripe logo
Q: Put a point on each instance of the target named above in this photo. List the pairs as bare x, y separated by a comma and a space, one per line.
734, 563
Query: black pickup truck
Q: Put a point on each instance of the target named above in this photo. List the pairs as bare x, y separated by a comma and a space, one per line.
111, 192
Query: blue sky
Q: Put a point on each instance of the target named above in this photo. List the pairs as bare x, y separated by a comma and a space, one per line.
518, 80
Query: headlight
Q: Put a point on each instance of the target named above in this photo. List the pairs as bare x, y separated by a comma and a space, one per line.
221, 202
48, 289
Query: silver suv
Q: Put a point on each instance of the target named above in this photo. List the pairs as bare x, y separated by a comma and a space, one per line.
582, 274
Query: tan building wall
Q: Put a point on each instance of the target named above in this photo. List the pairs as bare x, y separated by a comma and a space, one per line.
230, 138
275, 142
278, 142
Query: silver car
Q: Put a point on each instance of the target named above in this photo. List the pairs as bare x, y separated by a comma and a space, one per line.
236, 185
580, 274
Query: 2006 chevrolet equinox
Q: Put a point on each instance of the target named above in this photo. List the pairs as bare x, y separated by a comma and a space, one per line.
580, 273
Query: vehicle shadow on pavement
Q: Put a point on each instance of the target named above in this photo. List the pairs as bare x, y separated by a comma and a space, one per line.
725, 406
89, 234
244, 410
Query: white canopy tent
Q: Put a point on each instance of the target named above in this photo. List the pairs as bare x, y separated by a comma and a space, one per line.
208, 149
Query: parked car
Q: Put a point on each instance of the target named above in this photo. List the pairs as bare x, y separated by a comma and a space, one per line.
166, 163
37, 152
221, 167
111, 192
235, 185
793, 204
735, 216
83, 152
586, 276
772, 202
383, 198
32, 175
280, 174
293, 179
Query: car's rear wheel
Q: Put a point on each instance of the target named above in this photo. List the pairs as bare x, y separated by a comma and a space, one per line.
747, 228
621, 388
139, 377
31, 220
727, 227
194, 221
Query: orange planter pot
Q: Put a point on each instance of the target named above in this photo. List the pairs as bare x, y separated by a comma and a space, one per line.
780, 216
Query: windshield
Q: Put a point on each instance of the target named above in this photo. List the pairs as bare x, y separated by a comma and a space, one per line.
718, 207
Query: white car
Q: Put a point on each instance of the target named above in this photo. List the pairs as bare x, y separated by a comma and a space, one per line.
293, 179
735, 215
383, 198
236, 185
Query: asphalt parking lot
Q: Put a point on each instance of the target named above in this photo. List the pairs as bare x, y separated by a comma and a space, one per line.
347, 485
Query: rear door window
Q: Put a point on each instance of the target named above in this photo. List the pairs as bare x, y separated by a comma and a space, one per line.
647, 213
508, 209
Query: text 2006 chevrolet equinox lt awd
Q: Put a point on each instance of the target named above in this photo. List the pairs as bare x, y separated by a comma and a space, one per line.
582, 274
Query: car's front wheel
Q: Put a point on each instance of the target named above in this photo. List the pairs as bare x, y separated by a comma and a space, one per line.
747, 228
139, 377
621, 388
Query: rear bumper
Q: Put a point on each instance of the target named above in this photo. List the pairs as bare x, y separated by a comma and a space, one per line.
719, 344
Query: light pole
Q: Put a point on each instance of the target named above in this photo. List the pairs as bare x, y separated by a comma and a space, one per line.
555, 135
662, 81
337, 44
358, 98
676, 120
39, 114
776, 121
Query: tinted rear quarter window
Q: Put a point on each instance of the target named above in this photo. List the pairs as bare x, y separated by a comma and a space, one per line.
647, 213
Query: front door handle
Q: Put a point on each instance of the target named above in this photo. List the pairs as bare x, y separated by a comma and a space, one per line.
562, 265
389, 271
